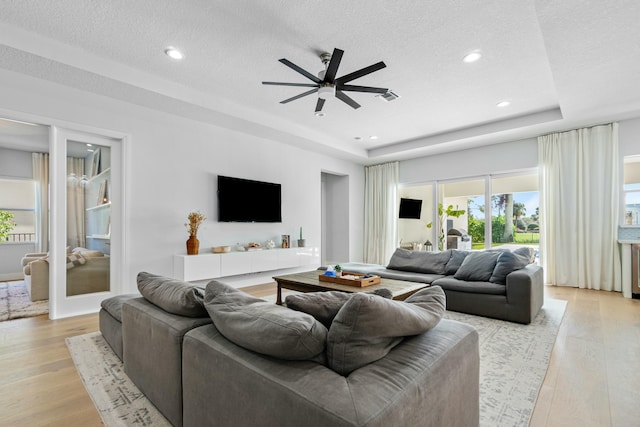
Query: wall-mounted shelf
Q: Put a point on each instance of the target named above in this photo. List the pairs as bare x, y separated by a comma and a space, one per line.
97, 213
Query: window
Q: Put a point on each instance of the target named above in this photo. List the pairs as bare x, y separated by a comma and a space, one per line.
462, 210
18, 197
515, 210
513, 213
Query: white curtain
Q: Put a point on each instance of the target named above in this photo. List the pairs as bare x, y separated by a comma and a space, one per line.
76, 181
579, 207
40, 163
380, 212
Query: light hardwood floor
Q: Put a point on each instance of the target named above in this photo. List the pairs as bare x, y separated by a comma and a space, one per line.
593, 378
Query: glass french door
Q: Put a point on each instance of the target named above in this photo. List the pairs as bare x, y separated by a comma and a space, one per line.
86, 206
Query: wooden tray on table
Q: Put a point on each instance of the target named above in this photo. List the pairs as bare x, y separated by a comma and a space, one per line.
351, 279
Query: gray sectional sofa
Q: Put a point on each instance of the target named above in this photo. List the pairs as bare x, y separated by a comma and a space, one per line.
499, 283
254, 363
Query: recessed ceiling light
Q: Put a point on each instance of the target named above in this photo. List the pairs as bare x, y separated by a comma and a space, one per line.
173, 53
503, 104
373, 137
357, 138
472, 56
89, 145
320, 114
90, 150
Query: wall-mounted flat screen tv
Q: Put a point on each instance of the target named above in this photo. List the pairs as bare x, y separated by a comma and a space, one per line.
245, 200
410, 208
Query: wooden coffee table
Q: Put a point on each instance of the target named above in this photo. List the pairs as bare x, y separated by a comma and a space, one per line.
309, 282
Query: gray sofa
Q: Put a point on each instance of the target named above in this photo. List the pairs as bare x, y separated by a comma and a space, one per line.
501, 284
243, 369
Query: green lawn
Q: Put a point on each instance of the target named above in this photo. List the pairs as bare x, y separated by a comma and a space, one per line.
521, 238
527, 237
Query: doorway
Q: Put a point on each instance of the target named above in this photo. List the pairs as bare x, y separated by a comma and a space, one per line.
335, 218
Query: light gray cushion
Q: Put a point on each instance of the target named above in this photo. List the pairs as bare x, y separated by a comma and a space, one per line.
324, 306
508, 262
172, 295
419, 262
113, 305
526, 251
367, 327
478, 266
457, 257
264, 327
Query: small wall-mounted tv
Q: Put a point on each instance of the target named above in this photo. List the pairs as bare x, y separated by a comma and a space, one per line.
245, 200
410, 208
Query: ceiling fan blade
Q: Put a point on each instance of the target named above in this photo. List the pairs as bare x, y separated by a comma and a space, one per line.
332, 69
291, 84
346, 99
354, 88
293, 98
319, 105
300, 70
362, 72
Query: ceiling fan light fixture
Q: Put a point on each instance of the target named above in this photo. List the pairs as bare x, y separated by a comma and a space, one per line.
327, 92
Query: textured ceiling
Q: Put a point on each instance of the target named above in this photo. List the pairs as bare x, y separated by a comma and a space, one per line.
560, 64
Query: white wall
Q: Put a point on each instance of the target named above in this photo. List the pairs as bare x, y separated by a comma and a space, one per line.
629, 136
172, 164
15, 164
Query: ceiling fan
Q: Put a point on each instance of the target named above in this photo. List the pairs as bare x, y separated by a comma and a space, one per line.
326, 83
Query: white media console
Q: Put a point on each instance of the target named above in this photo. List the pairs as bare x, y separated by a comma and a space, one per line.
210, 266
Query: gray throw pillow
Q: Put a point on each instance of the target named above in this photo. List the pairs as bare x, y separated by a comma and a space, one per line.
367, 327
172, 295
478, 266
264, 327
419, 261
526, 251
508, 262
457, 257
324, 306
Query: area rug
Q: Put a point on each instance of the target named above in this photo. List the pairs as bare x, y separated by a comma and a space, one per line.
15, 302
116, 397
513, 362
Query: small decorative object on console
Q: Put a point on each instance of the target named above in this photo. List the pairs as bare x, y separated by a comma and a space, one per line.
269, 244
252, 246
220, 249
285, 241
301, 241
